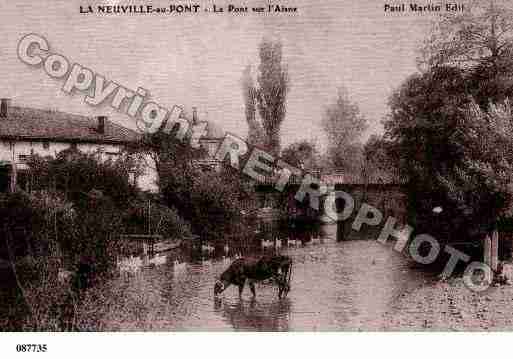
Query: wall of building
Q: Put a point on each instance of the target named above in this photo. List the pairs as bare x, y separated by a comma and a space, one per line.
148, 180
11, 151
6, 152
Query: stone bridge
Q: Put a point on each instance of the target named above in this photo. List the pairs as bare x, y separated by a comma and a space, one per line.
390, 199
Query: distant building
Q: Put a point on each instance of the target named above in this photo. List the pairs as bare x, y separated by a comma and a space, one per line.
27, 131
210, 143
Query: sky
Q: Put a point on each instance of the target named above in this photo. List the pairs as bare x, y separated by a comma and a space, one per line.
198, 59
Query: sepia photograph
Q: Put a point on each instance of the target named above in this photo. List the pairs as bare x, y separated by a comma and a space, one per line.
254, 166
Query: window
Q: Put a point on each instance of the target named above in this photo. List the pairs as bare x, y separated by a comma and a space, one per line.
112, 155
132, 178
23, 158
23, 180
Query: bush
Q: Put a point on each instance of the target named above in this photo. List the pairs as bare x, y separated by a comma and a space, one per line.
34, 222
70, 222
82, 204
160, 220
212, 202
75, 173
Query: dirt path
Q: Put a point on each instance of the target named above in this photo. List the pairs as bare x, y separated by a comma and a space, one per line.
450, 306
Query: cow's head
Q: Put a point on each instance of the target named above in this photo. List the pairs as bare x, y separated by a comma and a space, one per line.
218, 287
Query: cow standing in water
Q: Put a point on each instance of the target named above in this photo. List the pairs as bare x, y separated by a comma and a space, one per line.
254, 270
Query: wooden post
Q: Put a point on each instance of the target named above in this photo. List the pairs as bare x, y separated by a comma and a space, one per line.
494, 250
487, 251
13, 179
340, 224
491, 250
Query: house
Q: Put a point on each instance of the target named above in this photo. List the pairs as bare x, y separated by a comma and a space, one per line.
26, 131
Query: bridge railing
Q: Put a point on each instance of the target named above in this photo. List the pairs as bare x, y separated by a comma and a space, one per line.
147, 241
293, 179
338, 178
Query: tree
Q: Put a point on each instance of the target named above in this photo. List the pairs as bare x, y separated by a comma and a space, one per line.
479, 185
302, 154
425, 113
455, 154
380, 161
212, 202
479, 41
344, 126
273, 85
483, 33
256, 135
76, 173
167, 151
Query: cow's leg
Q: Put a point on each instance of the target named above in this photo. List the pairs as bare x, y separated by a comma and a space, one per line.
281, 278
241, 287
278, 279
252, 287
286, 279
286, 289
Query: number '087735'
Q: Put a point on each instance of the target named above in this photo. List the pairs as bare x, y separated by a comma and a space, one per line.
31, 348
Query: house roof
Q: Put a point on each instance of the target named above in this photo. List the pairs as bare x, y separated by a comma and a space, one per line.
24, 123
213, 131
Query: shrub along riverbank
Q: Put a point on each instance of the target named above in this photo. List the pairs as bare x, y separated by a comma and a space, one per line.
71, 220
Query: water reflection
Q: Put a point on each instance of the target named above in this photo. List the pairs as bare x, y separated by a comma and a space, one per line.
254, 315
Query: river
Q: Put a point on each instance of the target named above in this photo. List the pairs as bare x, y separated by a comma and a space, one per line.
347, 285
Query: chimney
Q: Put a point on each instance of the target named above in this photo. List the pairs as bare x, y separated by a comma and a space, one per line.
101, 124
4, 107
194, 116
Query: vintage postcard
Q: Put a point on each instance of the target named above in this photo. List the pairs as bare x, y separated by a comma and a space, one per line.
219, 166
